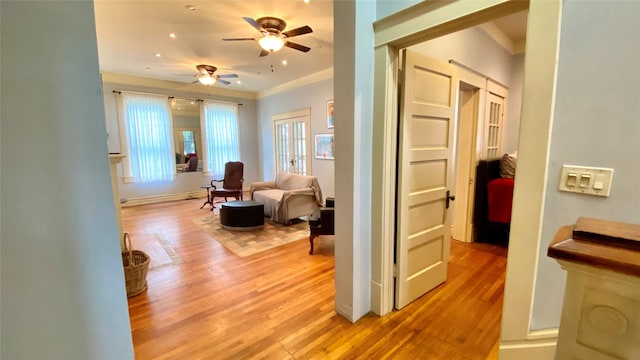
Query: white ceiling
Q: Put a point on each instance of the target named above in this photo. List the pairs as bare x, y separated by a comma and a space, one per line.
131, 33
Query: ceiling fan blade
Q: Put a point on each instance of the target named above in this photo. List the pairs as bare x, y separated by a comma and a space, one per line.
264, 53
299, 31
227, 76
225, 82
254, 24
297, 46
238, 39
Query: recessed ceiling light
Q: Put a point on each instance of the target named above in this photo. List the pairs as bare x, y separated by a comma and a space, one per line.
238, 82
158, 55
190, 7
284, 62
172, 35
306, 1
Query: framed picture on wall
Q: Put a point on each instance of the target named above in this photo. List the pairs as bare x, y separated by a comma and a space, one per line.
324, 146
330, 114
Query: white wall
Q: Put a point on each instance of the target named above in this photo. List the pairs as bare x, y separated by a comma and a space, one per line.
314, 96
514, 105
63, 293
183, 182
473, 48
595, 124
353, 87
388, 7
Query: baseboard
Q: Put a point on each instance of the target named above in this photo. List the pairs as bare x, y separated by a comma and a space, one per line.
162, 198
538, 349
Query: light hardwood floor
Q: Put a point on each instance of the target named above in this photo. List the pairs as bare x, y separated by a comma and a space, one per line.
279, 304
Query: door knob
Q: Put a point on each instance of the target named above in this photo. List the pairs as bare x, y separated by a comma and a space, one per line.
449, 199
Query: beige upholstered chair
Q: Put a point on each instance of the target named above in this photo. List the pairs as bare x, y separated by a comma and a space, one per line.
288, 197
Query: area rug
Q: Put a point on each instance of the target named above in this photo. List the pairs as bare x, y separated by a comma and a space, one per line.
247, 243
160, 251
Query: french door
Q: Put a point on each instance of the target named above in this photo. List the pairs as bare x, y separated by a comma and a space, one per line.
292, 145
494, 119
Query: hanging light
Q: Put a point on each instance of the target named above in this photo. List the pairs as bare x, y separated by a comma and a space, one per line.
206, 79
271, 42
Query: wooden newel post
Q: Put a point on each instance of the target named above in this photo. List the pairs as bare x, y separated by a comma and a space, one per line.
601, 310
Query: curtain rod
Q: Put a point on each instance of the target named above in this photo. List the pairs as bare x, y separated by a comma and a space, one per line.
170, 97
451, 61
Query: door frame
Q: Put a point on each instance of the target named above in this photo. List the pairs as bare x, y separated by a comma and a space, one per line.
428, 20
302, 113
477, 82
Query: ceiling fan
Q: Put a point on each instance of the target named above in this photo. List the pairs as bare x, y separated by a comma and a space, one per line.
207, 77
273, 39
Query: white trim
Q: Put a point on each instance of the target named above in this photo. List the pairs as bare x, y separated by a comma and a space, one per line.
143, 200
540, 349
470, 79
306, 80
291, 114
114, 78
383, 181
538, 99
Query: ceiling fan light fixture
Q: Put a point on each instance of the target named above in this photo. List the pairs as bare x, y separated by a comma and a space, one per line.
206, 79
271, 43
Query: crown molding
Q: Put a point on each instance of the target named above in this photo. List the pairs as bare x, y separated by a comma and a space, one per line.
174, 85
503, 40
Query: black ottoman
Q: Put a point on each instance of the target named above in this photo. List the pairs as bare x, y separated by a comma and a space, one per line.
242, 215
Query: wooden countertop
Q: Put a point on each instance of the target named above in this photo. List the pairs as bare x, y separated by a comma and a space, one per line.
599, 243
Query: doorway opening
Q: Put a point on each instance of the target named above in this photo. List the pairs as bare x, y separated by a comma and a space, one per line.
426, 21
448, 121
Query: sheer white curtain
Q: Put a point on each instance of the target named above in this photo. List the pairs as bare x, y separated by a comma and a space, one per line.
220, 128
148, 125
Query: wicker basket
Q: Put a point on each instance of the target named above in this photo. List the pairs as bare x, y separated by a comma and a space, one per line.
136, 266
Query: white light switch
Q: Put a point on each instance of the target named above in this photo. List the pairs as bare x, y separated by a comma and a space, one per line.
586, 180
598, 182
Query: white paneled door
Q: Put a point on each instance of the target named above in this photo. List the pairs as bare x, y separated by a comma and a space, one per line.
427, 116
291, 132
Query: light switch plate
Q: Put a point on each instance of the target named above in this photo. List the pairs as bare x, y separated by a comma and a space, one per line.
586, 180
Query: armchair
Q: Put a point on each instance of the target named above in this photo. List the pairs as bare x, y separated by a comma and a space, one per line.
288, 197
231, 184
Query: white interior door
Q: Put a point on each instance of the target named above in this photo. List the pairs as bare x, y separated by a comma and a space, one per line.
427, 115
291, 133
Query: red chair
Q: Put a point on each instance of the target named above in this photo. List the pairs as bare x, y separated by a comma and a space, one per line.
232, 182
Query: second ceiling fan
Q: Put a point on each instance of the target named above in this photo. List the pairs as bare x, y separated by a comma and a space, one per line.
273, 39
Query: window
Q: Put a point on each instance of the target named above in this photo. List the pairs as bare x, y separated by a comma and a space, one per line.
220, 129
494, 119
146, 124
